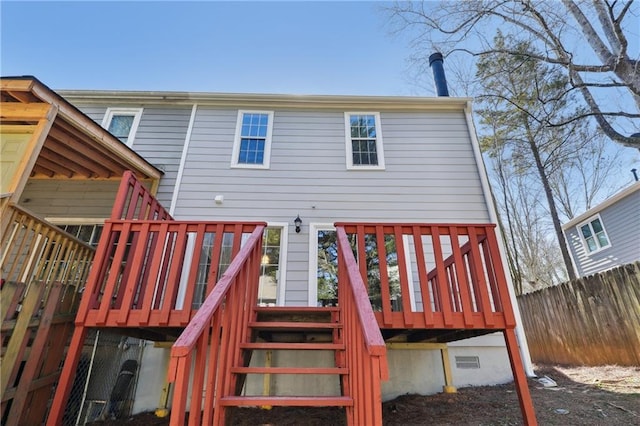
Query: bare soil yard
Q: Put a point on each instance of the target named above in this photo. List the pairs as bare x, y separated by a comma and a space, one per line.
588, 396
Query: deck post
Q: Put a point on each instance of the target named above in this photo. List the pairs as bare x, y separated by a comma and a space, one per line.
66, 377
519, 378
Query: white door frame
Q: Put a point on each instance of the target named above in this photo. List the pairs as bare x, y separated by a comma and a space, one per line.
313, 263
313, 259
282, 265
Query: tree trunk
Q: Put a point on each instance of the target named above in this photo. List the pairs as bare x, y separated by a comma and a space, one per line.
568, 264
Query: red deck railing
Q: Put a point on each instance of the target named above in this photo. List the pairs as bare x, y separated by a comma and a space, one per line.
365, 354
212, 339
157, 273
456, 271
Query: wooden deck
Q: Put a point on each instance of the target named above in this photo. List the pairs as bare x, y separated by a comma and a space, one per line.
198, 281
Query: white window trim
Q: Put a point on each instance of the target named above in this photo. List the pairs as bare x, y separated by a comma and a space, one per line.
584, 242
135, 112
349, 146
267, 144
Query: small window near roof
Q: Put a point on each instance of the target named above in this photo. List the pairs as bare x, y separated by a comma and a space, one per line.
594, 237
363, 140
122, 123
252, 144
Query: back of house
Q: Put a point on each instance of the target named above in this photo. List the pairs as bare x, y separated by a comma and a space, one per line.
322, 159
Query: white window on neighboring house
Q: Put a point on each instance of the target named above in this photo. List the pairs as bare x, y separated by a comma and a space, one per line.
252, 144
593, 235
122, 123
363, 139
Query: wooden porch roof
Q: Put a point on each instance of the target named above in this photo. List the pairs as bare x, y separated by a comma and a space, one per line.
72, 145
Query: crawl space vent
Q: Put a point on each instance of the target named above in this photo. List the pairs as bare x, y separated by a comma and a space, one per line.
467, 362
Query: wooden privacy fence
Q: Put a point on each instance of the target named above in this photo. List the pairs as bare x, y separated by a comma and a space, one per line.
42, 269
593, 320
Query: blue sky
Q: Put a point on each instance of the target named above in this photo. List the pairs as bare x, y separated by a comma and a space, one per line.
296, 47
263, 47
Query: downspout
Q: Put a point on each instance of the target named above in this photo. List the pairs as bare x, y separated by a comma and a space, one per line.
183, 160
493, 216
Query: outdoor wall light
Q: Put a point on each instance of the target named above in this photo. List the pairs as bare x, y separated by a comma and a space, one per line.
297, 222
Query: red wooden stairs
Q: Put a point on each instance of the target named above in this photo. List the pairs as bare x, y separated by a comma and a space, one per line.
302, 330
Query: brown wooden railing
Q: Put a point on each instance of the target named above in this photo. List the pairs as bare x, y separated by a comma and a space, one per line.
42, 268
456, 269
365, 353
212, 339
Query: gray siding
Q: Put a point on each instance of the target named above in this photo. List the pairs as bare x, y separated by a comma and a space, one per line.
621, 221
431, 176
159, 139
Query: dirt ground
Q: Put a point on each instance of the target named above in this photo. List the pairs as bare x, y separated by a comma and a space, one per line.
588, 396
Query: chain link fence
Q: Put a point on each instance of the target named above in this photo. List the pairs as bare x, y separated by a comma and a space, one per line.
105, 380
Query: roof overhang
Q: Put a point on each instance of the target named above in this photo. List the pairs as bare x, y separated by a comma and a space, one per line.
258, 100
603, 205
74, 146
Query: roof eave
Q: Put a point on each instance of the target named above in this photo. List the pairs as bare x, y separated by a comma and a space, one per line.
603, 205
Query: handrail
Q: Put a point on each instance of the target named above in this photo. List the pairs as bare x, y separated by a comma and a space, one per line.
373, 337
201, 320
212, 339
365, 355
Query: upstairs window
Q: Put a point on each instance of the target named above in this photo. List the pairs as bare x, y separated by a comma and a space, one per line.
593, 234
363, 141
122, 123
252, 144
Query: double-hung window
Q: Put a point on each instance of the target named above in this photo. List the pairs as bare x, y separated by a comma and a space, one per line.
363, 141
122, 123
252, 144
593, 234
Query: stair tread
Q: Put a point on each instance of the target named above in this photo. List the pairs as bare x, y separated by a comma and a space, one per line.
293, 325
289, 370
293, 309
291, 401
293, 346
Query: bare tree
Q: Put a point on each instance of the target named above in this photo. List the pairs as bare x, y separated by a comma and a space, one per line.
583, 180
589, 40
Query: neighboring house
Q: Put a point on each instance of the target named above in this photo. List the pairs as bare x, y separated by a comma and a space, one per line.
607, 235
401, 178
60, 172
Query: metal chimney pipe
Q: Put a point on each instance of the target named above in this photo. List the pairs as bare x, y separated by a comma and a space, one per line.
436, 63
635, 175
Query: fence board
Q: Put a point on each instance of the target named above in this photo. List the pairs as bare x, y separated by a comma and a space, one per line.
593, 320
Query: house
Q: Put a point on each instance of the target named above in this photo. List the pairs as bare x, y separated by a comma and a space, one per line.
361, 226
60, 174
606, 235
